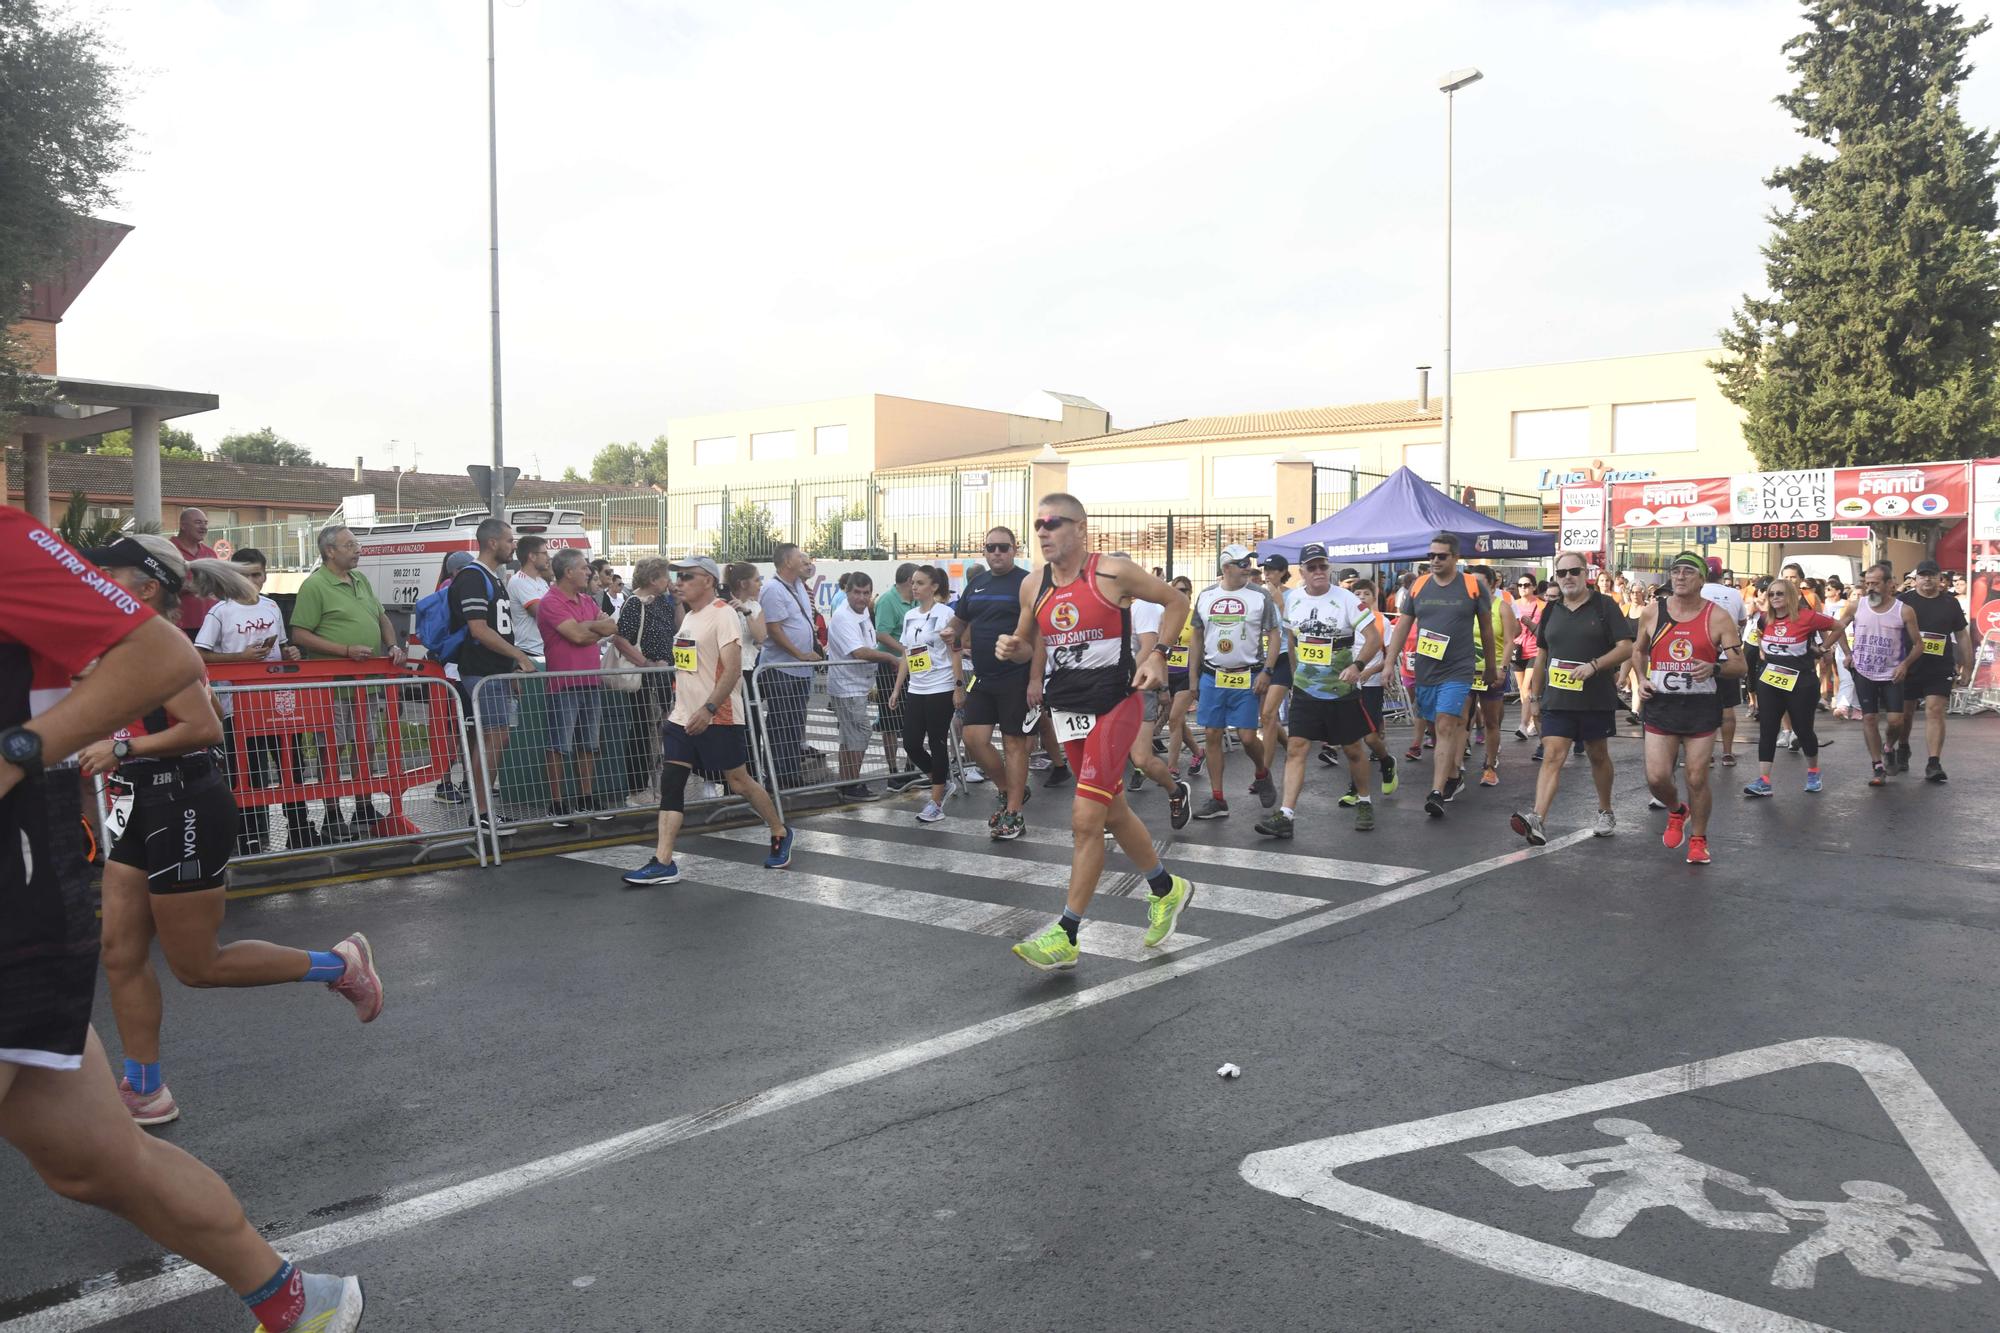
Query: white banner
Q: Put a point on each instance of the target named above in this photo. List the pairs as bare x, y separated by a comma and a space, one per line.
1986, 501
1582, 526
1804, 496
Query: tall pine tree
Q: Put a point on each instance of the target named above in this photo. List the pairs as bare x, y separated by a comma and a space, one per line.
1876, 344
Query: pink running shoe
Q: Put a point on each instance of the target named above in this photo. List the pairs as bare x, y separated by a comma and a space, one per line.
359, 985
152, 1109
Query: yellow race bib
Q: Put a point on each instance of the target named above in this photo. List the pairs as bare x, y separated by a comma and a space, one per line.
1565, 676
1431, 644
1780, 677
1232, 680
1177, 658
1934, 645
684, 655
920, 661
1314, 652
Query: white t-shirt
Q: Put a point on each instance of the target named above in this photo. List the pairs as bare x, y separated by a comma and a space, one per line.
847, 630
522, 590
923, 632
231, 627
1233, 625
1726, 597
1146, 618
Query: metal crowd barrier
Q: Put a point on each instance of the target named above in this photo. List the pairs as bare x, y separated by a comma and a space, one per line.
800, 748
327, 755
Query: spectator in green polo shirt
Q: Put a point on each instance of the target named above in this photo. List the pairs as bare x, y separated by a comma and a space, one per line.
338, 615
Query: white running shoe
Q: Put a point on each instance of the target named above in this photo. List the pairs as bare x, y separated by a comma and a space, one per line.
930, 814
974, 774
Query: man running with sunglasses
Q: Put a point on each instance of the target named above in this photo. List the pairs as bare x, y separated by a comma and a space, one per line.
1079, 612
1581, 639
1440, 610
997, 695
1684, 643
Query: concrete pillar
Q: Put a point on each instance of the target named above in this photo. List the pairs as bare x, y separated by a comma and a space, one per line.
35, 477
1048, 472
1291, 494
146, 464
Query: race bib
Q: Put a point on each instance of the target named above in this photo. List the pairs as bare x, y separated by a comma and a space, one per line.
1315, 652
1565, 675
1432, 644
920, 661
122, 796
1779, 677
684, 655
1073, 726
1232, 680
1177, 659
1934, 644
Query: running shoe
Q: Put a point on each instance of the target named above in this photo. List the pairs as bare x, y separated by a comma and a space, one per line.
973, 773
1655, 803
1180, 804
1008, 827
781, 851
1729, 759
1479, 735
1789, 741
1329, 755
1159, 745
1213, 808
359, 985
1529, 825
1134, 780
332, 1305
602, 808
1387, 764
1163, 910
1276, 824
1352, 799
1812, 779
1039, 761
653, 873
1934, 771
1265, 790
1194, 764
1676, 832
1879, 777
1489, 776
484, 823
1606, 825
1520, 733
1536, 757
953, 787
1430, 742
859, 791
559, 815
1902, 757
1761, 787
1434, 804
1453, 785
1697, 851
154, 1108
451, 793
1364, 817
903, 781
1051, 951
931, 813
1058, 776
1415, 752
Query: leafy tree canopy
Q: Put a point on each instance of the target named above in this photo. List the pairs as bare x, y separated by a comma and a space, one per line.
263, 445
631, 464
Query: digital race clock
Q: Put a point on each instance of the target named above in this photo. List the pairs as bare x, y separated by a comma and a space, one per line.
1818, 530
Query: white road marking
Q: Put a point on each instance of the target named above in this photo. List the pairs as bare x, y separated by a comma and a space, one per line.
1106, 939
1194, 853
117, 1301
1015, 869
1962, 1174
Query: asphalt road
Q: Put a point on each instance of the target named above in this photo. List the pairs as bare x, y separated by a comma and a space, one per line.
864, 1113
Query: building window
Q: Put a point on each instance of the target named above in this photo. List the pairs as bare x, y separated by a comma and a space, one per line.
1111, 483
717, 449
828, 507
1653, 428
708, 518
829, 440
1562, 432
770, 446
1426, 460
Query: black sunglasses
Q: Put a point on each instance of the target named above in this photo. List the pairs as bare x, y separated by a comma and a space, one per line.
1442, 555
995, 548
1570, 573
1051, 524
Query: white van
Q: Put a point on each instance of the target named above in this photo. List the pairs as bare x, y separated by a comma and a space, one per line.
404, 561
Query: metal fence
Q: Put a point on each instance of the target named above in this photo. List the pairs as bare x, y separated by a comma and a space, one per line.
1175, 542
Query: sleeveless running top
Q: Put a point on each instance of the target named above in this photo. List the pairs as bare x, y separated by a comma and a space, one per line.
1089, 643
1677, 646
1879, 642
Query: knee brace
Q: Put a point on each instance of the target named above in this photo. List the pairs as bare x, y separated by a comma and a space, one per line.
673, 788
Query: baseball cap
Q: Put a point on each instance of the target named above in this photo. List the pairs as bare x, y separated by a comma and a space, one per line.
1276, 561
700, 562
1928, 567
1236, 553
128, 554
1312, 551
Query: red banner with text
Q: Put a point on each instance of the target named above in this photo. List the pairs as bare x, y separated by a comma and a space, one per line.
1845, 495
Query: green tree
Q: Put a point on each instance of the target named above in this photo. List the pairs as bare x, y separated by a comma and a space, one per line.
571, 474
827, 534
174, 443
79, 529
1876, 344
753, 534
262, 445
62, 139
631, 464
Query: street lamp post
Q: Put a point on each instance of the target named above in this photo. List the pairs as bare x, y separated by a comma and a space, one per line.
1449, 86
496, 501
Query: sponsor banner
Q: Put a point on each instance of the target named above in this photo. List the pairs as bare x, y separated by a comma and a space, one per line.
1693, 503
1983, 610
1582, 527
1921, 490
1986, 500
1801, 496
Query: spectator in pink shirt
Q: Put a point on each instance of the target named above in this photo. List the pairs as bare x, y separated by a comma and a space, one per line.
189, 542
573, 626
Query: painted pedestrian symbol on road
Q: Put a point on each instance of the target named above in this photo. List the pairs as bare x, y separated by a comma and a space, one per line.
1882, 1230
1649, 1170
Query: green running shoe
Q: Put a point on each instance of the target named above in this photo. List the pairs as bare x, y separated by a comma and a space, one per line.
1352, 798
1387, 763
1164, 910
1050, 951
1364, 816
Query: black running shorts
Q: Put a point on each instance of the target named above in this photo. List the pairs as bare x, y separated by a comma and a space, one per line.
1341, 721
1004, 708
181, 840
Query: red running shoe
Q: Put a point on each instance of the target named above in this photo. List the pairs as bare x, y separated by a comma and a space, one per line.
155, 1108
1697, 851
359, 985
1676, 829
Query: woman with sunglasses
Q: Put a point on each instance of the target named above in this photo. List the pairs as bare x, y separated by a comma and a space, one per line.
1793, 638
1528, 594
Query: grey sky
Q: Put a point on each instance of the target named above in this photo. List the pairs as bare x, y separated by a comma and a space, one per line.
1175, 209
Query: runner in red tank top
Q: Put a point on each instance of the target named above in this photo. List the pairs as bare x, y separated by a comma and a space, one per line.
1076, 617
1685, 642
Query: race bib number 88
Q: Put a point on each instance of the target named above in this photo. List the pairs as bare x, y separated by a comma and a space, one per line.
1934, 645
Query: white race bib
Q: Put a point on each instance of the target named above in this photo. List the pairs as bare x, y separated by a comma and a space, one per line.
122, 796
1072, 726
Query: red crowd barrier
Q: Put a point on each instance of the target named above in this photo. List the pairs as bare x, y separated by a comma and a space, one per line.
288, 715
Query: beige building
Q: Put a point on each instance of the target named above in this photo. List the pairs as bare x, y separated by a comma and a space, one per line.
847, 437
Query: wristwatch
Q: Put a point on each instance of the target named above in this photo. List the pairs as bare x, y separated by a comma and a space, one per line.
121, 750
22, 748
714, 709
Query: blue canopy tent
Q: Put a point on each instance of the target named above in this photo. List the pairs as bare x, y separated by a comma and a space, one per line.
1397, 520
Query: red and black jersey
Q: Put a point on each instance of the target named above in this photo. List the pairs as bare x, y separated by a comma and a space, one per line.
1089, 642
61, 613
1792, 637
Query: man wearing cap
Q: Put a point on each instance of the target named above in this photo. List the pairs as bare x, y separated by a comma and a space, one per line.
1236, 639
705, 730
1683, 644
1270, 730
1946, 662
1440, 610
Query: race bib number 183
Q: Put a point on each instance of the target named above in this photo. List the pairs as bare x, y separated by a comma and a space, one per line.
1072, 726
